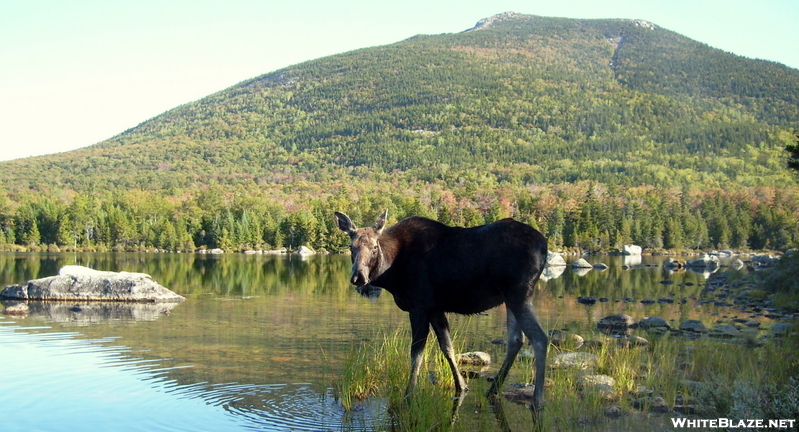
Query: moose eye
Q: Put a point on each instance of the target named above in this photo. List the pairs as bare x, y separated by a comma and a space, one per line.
374, 252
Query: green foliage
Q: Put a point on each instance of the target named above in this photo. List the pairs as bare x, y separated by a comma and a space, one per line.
529, 100
587, 216
511, 120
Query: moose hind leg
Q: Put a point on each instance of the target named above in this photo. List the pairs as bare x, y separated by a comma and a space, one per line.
539, 340
515, 342
441, 326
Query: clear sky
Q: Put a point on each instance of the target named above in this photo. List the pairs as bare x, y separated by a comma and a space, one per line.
73, 73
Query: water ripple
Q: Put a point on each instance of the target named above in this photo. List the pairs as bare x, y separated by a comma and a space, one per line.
73, 383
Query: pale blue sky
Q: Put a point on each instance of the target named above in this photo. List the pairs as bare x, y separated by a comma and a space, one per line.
73, 73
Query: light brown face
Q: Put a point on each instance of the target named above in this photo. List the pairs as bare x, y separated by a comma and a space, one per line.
365, 252
364, 247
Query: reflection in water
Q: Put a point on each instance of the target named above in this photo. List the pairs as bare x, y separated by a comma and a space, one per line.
226, 358
86, 313
103, 386
632, 260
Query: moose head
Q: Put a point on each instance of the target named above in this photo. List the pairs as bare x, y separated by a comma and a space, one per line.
368, 261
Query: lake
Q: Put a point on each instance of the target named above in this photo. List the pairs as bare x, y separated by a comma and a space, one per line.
258, 342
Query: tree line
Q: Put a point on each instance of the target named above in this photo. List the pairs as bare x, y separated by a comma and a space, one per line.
586, 216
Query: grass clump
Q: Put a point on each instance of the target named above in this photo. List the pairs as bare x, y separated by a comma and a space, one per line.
379, 367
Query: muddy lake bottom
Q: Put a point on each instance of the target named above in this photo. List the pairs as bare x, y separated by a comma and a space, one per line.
261, 340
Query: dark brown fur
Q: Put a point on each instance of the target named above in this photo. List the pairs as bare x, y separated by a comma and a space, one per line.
431, 269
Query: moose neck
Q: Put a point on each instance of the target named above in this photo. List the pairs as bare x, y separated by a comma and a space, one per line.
387, 246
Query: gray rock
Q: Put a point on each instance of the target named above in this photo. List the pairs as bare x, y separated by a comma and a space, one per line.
589, 380
706, 261
85, 284
305, 250
674, 263
780, 329
582, 263
652, 322
600, 266
520, 393
694, 326
727, 330
631, 250
617, 321
555, 260
633, 341
651, 404
602, 392
560, 338
478, 358
574, 360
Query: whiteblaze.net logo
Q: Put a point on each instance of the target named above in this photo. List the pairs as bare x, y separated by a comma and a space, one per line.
725, 423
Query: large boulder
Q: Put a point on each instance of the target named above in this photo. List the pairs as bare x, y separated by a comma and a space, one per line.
82, 283
632, 250
555, 260
305, 251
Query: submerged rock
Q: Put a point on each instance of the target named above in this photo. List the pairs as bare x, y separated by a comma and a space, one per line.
706, 261
617, 321
654, 322
560, 338
633, 341
728, 330
651, 404
82, 283
694, 326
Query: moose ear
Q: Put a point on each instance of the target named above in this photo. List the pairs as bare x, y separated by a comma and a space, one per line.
381, 222
344, 223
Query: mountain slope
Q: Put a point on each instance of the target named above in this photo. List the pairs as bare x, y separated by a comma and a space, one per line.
525, 99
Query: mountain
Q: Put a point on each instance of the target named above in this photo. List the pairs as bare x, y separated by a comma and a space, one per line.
521, 98
598, 132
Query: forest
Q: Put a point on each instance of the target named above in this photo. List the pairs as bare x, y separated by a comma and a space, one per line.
584, 216
597, 132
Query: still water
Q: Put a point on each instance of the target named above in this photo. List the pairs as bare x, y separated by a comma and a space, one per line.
257, 344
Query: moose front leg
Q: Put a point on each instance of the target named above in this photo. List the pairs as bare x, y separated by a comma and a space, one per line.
420, 328
441, 327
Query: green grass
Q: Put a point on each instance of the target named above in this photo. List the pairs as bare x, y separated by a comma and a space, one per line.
740, 379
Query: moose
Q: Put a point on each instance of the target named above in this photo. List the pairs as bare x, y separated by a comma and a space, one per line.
432, 269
